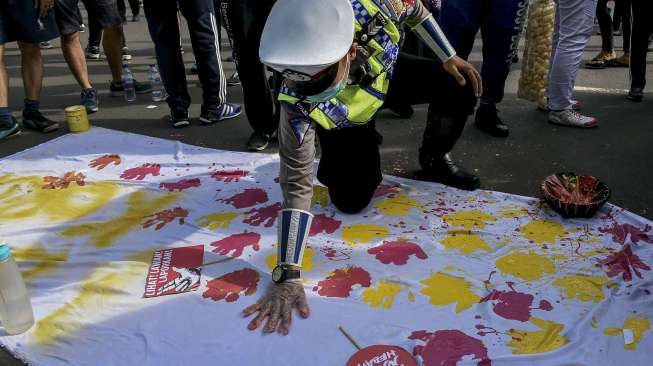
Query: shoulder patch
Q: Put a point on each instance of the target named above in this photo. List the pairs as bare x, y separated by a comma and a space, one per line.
395, 9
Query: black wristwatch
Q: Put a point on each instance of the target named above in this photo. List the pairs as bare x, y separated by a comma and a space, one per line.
281, 274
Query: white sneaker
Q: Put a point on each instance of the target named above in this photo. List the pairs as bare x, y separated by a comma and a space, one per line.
575, 105
570, 117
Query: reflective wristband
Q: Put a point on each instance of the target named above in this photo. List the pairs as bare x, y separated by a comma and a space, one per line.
430, 32
294, 227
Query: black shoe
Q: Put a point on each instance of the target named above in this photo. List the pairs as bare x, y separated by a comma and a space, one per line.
194, 70
9, 129
259, 141
444, 170
234, 79
179, 117
488, 121
636, 94
93, 53
34, 120
118, 90
136, 18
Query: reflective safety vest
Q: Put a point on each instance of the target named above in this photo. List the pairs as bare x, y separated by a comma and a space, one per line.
378, 37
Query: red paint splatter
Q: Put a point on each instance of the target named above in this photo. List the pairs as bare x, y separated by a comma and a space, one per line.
236, 243
163, 218
545, 305
247, 198
181, 185
230, 286
620, 233
229, 175
336, 254
141, 172
64, 182
397, 252
624, 262
510, 304
104, 161
264, 215
340, 283
484, 330
324, 224
447, 347
384, 189
488, 282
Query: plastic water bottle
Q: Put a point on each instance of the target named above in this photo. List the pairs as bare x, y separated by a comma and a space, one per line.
16, 312
158, 93
128, 84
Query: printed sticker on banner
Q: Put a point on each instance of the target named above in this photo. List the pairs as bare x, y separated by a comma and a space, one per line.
382, 355
174, 271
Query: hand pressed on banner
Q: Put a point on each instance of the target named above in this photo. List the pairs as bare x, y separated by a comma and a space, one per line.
277, 306
456, 65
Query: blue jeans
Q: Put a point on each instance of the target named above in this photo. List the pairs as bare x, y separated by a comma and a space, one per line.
499, 23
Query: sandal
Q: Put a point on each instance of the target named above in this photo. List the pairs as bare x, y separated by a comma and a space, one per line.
600, 61
623, 61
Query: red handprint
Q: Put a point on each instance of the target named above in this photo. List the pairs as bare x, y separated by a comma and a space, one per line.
61, 183
384, 189
104, 161
229, 175
236, 243
624, 262
267, 215
141, 172
161, 219
397, 252
181, 185
247, 198
324, 224
229, 286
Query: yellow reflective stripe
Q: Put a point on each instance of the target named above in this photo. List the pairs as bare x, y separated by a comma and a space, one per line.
361, 105
320, 118
287, 98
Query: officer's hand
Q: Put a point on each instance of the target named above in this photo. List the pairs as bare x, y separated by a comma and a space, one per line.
277, 306
43, 7
456, 65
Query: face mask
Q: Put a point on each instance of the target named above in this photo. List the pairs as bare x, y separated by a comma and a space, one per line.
331, 92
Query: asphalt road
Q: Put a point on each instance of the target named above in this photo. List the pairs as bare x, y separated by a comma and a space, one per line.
618, 152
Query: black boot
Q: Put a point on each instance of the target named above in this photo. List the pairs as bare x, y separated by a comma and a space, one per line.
440, 135
444, 170
487, 120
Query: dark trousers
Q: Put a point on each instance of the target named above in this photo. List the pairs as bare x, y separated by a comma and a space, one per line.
95, 29
133, 5
498, 21
350, 164
204, 27
606, 24
244, 21
642, 28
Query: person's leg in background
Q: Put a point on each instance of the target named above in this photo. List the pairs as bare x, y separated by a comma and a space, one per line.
23, 24
163, 25
418, 80
94, 38
607, 53
626, 23
203, 25
244, 21
641, 31
573, 30
69, 22
108, 16
8, 124
135, 7
499, 29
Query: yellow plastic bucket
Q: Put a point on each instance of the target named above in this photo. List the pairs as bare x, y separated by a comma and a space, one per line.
77, 118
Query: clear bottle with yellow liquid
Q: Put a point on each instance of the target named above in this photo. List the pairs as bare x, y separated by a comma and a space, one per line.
16, 315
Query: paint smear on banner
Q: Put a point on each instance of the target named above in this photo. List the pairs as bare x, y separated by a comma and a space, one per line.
443, 289
363, 233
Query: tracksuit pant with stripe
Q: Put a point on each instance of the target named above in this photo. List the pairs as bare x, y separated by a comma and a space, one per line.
204, 27
499, 22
